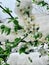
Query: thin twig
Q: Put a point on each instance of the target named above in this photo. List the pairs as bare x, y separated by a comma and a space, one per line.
6, 11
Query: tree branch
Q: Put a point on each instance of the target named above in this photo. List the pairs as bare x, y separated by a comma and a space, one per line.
6, 11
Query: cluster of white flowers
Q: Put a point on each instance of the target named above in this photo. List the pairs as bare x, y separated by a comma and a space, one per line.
27, 19
23, 10
22, 59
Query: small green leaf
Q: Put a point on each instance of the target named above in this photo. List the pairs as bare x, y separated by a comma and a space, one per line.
47, 37
18, 1
37, 35
30, 59
8, 10
36, 43
33, 1
42, 3
5, 29
16, 42
17, 27
6, 64
47, 7
1, 50
48, 54
23, 49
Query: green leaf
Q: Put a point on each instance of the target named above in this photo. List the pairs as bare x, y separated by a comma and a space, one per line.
47, 37
14, 20
26, 12
5, 29
23, 49
3, 56
16, 42
1, 59
8, 10
48, 54
33, 0
47, 7
37, 35
18, 1
6, 64
1, 50
42, 3
2, 27
36, 43
17, 27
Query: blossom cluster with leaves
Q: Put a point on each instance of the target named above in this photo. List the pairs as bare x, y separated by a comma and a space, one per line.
36, 38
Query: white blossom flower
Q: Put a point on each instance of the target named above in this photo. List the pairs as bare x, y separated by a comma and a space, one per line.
23, 6
22, 59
